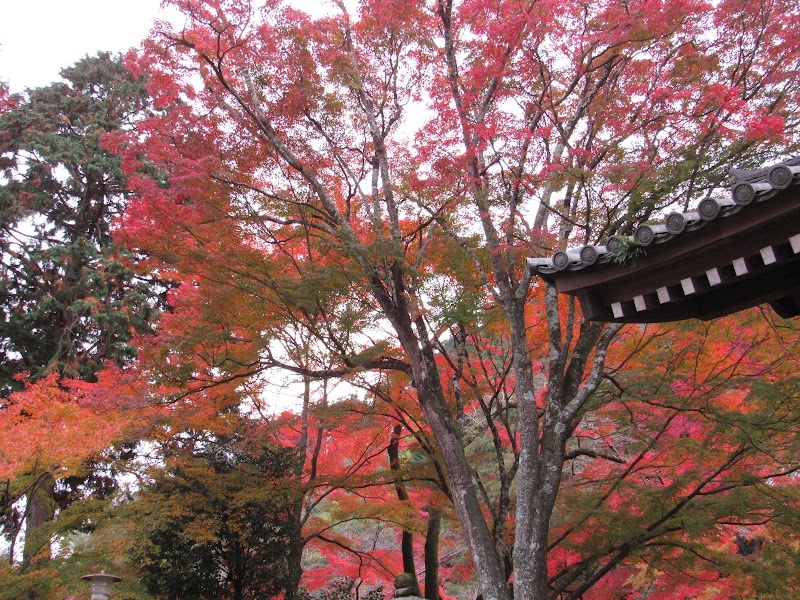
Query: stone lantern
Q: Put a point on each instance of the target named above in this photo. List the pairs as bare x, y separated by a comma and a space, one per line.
101, 584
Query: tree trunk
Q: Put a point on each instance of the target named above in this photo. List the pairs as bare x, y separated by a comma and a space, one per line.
39, 512
488, 566
426, 378
543, 448
407, 538
432, 554
295, 558
529, 551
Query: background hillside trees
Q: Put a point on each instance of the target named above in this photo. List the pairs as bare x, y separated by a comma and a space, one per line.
693, 456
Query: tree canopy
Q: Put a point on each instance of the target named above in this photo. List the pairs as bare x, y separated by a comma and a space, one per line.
350, 200
70, 300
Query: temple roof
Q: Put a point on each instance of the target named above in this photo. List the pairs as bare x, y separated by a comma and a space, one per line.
726, 255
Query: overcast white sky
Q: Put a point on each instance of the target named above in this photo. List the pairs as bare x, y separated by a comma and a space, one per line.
40, 37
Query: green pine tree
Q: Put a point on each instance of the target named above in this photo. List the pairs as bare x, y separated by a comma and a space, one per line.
68, 299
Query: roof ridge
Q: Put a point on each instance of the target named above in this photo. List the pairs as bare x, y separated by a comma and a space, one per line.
747, 186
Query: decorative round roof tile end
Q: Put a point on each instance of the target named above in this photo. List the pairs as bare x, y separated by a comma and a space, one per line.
743, 193
614, 244
780, 177
676, 223
560, 260
589, 255
709, 209
644, 235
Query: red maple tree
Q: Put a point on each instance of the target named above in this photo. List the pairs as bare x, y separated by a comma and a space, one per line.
291, 189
